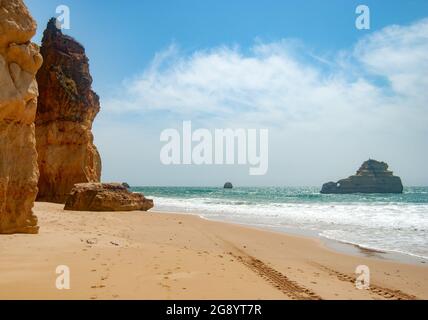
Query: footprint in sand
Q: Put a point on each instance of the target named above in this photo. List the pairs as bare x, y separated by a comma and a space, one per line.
98, 286
164, 285
92, 241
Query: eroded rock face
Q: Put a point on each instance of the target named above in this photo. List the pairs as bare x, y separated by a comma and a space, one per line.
372, 177
19, 62
105, 197
66, 109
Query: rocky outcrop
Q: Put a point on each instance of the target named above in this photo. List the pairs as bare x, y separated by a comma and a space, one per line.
105, 197
372, 177
66, 109
19, 62
228, 185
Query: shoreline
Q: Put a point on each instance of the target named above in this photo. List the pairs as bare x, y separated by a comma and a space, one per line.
330, 243
151, 255
394, 224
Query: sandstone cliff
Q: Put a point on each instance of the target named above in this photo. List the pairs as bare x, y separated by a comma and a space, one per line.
66, 109
19, 62
372, 177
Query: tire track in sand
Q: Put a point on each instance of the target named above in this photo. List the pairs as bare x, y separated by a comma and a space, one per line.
385, 293
277, 279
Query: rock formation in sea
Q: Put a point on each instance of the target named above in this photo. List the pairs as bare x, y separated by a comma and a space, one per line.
372, 177
19, 62
66, 109
228, 185
105, 197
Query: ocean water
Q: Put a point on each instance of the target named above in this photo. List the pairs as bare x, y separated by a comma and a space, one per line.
386, 222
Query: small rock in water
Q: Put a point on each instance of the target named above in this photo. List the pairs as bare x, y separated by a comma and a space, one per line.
228, 185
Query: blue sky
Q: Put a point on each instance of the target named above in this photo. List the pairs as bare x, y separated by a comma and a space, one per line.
331, 95
121, 37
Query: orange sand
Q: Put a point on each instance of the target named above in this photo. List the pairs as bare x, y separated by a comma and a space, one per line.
169, 256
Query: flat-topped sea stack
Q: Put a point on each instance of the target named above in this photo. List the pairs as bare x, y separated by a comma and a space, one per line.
106, 197
66, 109
19, 62
372, 177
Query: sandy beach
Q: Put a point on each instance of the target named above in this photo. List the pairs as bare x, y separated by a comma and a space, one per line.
171, 256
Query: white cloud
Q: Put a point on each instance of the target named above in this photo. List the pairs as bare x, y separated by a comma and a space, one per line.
400, 55
272, 84
369, 100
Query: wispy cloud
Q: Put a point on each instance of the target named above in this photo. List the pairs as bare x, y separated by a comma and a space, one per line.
326, 113
273, 84
400, 54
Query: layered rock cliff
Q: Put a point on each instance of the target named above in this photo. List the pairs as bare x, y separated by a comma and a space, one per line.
372, 177
66, 109
19, 62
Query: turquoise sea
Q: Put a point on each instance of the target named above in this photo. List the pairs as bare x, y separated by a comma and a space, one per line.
386, 222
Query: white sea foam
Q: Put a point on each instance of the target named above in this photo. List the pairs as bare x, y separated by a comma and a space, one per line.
398, 227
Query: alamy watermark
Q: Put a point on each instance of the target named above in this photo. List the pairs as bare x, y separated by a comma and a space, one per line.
362, 281
363, 20
63, 18
222, 146
63, 279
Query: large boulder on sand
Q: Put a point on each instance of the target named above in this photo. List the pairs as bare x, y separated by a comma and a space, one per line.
105, 197
372, 177
19, 62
